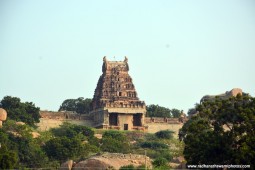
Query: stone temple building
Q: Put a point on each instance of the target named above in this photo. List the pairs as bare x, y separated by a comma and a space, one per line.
115, 103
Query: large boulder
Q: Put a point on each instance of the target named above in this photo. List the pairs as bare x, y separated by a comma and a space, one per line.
178, 159
67, 165
20, 123
91, 164
234, 92
3, 114
35, 134
112, 161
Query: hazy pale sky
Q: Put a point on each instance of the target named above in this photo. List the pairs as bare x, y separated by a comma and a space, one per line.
178, 50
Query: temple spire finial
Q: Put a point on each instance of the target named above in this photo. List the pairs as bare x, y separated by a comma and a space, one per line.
104, 59
126, 59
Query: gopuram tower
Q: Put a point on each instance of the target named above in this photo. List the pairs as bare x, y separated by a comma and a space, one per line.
115, 103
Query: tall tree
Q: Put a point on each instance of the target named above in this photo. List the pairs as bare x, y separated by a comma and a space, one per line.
79, 105
26, 112
223, 132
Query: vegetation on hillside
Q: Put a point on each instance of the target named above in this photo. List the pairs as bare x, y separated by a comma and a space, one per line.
23, 150
70, 142
51, 148
18, 148
223, 132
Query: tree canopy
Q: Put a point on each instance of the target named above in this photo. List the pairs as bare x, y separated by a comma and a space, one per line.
223, 132
79, 105
160, 111
176, 113
26, 112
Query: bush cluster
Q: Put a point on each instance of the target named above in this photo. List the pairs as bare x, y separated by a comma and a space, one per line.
164, 134
154, 145
115, 141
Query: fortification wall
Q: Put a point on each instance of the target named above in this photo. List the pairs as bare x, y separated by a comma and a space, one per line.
155, 127
163, 120
63, 115
51, 119
55, 119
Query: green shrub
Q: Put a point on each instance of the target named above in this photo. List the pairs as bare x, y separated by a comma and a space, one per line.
26, 112
63, 148
113, 145
71, 130
8, 159
127, 167
166, 154
164, 134
150, 137
156, 153
154, 145
117, 135
141, 167
115, 141
159, 162
133, 135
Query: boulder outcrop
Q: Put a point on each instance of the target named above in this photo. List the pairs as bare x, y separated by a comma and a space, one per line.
3, 116
67, 165
232, 93
112, 160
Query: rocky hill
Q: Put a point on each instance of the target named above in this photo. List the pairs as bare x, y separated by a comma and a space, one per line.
225, 95
108, 161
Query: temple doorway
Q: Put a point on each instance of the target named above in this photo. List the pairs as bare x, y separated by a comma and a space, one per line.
125, 126
137, 119
113, 119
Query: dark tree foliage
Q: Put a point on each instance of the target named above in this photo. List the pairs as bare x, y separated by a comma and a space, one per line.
223, 132
30, 154
26, 112
127, 167
164, 134
63, 148
69, 142
157, 111
80, 105
8, 158
191, 111
160, 162
115, 135
72, 130
115, 141
17, 139
160, 111
176, 113
153, 145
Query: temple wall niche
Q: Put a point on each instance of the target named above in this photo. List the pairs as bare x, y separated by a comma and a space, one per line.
126, 119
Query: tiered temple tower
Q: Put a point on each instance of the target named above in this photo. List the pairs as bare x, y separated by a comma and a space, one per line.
115, 103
